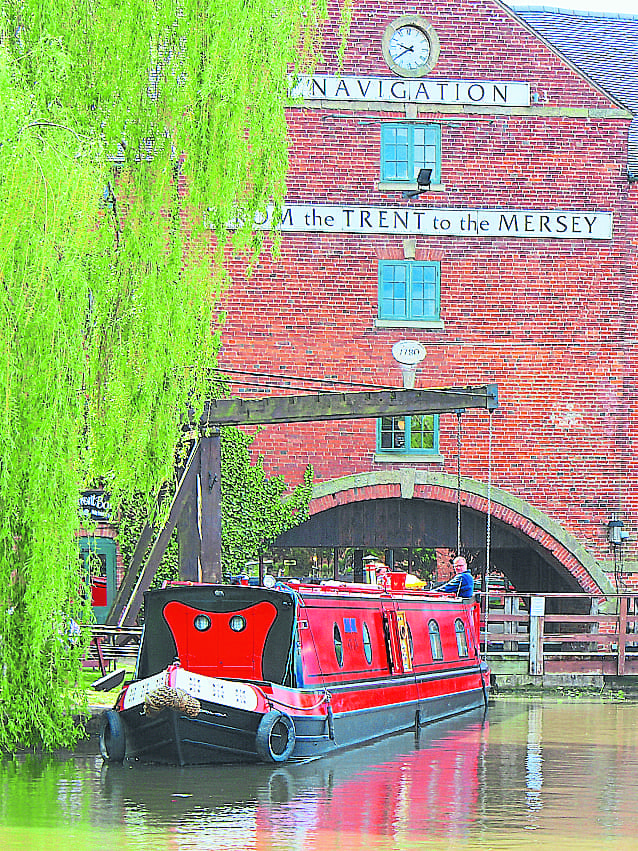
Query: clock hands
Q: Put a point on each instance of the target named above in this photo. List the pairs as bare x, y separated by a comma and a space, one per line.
406, 49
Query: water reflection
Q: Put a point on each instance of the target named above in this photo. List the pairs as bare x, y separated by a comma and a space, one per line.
534, 759
529, 775
367, 791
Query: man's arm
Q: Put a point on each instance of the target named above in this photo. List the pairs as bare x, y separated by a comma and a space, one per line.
453, 585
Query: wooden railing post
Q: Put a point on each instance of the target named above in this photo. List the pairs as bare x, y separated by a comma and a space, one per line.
536, 629
588, 634
210, 513
511, 606
622, 635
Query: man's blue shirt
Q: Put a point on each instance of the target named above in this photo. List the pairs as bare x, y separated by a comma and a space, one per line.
462, 585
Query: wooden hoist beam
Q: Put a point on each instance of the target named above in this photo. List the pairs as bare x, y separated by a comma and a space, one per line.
196, 506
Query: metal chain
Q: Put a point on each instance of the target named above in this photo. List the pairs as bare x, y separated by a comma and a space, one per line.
458, 482
488, 533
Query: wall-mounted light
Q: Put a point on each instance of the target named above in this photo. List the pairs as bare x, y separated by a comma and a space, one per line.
615, 533
423, 181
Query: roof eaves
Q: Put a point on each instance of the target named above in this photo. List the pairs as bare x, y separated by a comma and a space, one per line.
579, 71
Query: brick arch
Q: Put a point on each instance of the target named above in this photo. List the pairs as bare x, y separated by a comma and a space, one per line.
409, 483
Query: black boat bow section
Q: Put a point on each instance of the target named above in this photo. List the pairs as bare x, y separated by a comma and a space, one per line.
159, 647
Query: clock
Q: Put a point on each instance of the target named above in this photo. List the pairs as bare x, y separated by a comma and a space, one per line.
410, 46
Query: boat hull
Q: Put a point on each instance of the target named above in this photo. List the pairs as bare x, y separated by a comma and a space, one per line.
220, 733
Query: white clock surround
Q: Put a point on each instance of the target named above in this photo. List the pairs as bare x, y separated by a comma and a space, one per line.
410, 46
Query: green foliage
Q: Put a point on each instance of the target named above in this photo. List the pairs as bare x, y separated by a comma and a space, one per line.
106, 303
133, 515
255, 508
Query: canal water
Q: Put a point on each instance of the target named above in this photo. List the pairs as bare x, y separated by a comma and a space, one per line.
537, 774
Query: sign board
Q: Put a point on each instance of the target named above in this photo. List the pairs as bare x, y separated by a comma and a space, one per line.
408, 352
95, 504
439, 221
393, 90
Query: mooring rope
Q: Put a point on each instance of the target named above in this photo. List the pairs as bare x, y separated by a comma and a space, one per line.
273, 701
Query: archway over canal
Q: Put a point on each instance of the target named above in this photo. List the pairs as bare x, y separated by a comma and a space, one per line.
408, 508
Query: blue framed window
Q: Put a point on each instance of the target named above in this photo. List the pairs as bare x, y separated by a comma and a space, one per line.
409, 290
418, 434
406, 148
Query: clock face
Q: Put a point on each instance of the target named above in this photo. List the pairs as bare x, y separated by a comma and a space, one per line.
410, 46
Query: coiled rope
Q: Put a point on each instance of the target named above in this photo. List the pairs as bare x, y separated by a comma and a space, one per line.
166, 697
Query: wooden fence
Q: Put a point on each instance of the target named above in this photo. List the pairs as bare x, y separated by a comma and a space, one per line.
563, 633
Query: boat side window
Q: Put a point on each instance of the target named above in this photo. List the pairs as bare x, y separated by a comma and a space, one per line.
461, 637
410, 641
338, 646
367, 644
435, 641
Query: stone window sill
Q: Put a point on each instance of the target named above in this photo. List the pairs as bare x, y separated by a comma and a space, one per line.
408, 458
385, 186
434, 324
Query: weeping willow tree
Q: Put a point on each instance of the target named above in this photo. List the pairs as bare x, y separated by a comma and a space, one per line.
120, 122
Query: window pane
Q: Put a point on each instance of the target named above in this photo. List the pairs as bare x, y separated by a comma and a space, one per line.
394, 290
435, 641
418, 434
392, 433
461, 637
422, 432
395, 153
367, 644
425, 147
338, 645
423, 294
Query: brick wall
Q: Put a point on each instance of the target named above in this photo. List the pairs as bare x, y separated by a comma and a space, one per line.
549, 320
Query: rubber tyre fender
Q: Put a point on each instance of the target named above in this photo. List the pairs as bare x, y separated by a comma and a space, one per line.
275, 739
112, 737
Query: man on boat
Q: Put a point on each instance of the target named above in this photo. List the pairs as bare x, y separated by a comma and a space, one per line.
462, 584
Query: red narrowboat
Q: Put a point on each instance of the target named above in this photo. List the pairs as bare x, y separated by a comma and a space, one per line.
241, 673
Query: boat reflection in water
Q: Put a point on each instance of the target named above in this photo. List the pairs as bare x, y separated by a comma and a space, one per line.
406, 785
426, 787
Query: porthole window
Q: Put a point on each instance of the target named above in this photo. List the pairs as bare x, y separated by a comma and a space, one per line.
461, 637
367, 644
435, 641
237, 623
201, 623
338, 646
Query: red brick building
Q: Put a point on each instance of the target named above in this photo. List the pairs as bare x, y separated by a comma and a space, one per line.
513, 262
